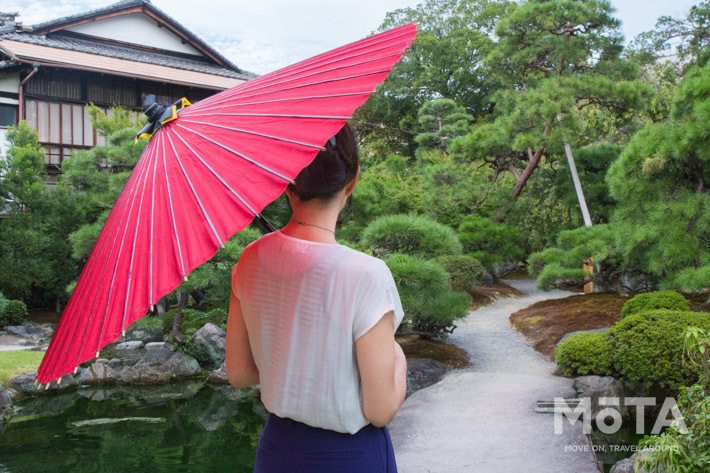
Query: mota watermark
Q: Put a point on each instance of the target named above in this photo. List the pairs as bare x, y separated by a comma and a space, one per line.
609, 420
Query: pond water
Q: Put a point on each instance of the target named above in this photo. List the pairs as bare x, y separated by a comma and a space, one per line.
180, 427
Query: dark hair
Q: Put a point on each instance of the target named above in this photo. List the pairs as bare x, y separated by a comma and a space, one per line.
331, 169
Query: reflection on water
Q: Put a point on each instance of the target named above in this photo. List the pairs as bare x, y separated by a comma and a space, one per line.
180, 427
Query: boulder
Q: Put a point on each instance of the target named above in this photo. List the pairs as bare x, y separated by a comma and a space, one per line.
98, 373
219, 376
114, 362
160, 365
24, 383
211, 339
595, 387
132, 345
157, 346
600, 330
26, 330
423, 372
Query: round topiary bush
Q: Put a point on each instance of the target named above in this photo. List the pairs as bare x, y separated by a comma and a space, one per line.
464, 271
427, 298
14, 313
410, 234
670, 300
648, 348
585, 353
3, 303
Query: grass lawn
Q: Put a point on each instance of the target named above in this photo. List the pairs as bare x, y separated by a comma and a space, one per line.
17, 362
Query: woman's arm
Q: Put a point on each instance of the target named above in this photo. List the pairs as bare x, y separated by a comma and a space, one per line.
383, 372
239, 362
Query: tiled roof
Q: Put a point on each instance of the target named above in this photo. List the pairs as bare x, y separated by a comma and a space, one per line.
146, 6
120, 52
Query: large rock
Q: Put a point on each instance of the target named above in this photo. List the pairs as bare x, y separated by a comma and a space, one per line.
24, 383
211, 339
26, 330
132, 345
100, 372
219, 376
423, 372
600, 330
595, 387
160, 365
6, 407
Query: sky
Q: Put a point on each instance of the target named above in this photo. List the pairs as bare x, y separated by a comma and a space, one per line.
264, 35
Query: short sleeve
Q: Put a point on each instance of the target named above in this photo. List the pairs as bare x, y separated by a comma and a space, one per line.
237, 271
376, 295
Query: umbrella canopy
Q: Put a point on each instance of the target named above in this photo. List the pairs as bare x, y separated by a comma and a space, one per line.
207, 171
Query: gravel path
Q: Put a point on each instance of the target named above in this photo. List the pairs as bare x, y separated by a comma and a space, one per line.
481, 419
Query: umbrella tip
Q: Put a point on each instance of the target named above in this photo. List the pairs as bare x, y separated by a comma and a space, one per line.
47, 386
97, 354
76, 369
185, 278
123, 333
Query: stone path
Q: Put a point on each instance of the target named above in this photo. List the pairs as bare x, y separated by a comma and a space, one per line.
482, 419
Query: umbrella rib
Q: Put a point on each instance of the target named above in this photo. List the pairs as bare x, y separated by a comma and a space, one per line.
204, 212
170, 201
120, 250
133, 250
304, 76
240, 130
266, 168
150, 253
280, 115
217, 175
282, 100
337, 79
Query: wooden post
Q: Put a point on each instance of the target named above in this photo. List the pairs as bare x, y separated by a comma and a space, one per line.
589, 267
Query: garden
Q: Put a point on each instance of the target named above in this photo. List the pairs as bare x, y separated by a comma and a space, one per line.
464, 181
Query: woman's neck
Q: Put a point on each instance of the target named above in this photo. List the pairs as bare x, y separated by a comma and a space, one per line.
318, 223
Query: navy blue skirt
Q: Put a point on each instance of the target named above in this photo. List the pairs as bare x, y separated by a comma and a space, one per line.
290, 446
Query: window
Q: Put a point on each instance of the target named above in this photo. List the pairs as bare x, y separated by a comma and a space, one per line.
8, 115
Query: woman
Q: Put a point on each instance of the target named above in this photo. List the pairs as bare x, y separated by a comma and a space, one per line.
313, 323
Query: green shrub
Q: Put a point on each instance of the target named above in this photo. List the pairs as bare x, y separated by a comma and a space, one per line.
423, 287
14, 313
193, 320
670, 300
648, 348
410, 234
3, 303
585, 353
464, 271
490, 242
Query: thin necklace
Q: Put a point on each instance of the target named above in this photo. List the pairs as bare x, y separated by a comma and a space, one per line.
312, 225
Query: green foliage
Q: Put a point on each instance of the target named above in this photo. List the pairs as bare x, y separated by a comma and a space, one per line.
193, 320
14, 314
670, 300
3, 303
198, 352
410, 234
678, 449
464, 271
648, 348
440, 120
423, 286
34, 254
585, 353
661, 222
490, 242
554, 58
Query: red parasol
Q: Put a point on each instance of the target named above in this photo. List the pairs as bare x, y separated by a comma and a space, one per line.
207, 171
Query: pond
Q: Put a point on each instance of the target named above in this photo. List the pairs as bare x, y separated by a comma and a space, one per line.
180, 427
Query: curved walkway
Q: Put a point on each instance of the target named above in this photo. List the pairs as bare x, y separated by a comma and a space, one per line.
482, 419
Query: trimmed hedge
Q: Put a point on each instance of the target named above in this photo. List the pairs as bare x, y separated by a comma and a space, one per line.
648, 348
412, 235
14, 313
585, 353
670, 300
464, 271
